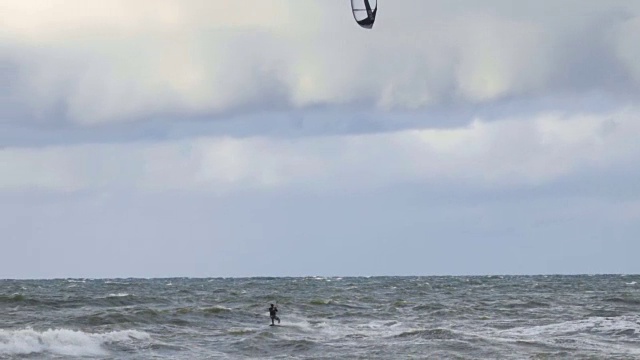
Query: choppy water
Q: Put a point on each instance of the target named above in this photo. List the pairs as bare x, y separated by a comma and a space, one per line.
510, 317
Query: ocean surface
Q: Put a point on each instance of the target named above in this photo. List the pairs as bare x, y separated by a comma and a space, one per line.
483, 317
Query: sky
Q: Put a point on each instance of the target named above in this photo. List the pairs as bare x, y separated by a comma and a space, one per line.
209, 138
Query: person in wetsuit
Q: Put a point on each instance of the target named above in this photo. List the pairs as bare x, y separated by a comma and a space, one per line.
272, 312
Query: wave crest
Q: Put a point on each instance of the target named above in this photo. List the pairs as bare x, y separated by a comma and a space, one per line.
62, 341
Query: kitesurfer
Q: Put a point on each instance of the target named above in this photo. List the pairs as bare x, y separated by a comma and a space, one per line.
272, 312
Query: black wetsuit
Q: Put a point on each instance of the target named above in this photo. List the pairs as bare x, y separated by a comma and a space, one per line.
272, 313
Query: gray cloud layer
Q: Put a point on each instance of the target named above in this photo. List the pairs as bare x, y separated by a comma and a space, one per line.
120, 61
397, 232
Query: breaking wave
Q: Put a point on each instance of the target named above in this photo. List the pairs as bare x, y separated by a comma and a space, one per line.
63, 342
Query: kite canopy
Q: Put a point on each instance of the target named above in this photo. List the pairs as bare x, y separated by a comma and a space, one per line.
364, 11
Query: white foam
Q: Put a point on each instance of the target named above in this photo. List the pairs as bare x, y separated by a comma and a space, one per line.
119, 295
631, 283
327, 330
62, 341
592, 325
582, 332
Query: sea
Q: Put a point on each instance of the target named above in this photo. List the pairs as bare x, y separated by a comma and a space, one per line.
439, 317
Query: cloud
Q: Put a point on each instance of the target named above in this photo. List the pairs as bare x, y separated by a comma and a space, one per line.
626, 48
508, 152
116, 61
